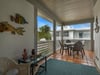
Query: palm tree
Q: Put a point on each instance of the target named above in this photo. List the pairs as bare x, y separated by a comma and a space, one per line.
44, 32
45, 29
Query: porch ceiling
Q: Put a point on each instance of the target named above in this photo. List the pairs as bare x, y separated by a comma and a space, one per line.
70, 11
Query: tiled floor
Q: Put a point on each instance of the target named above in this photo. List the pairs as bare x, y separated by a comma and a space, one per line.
87, 60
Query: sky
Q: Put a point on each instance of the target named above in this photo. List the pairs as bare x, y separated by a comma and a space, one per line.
42, 22
84, 25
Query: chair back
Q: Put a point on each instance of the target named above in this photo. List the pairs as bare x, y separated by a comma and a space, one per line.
78, 46
68, 41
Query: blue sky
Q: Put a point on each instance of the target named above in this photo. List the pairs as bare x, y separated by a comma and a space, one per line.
77, 26
42, 22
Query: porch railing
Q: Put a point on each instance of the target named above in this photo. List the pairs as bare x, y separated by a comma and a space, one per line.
44, 47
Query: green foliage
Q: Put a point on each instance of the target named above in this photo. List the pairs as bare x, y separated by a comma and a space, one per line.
44, 29
44, 32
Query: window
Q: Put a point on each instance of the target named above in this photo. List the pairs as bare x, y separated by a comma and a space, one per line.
80, 34
87, 34
66, 33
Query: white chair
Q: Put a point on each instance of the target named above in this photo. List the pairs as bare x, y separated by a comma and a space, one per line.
10, 67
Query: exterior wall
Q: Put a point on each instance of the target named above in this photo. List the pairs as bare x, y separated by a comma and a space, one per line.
74, 34
67, 37
71, 35
97, 35
86, 34
12, 45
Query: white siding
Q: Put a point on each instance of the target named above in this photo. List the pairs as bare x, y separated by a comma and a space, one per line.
97, 35
71, 35
75, 35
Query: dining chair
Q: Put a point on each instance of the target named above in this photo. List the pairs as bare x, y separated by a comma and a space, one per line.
78, 47
63, 47
69, 47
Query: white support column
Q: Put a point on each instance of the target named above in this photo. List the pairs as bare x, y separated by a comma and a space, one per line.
62, 33
35, 29
92, 37
54, 36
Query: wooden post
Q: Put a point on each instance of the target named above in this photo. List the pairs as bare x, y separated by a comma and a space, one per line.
54, 36
92, 37
35, 29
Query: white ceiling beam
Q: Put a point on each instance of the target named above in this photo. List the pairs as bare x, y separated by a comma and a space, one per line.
79, 21
45, 10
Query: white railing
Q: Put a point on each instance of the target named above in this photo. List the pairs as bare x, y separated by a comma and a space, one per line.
87, 43
45, 47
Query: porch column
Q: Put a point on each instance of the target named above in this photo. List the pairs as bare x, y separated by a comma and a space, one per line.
62, 33
92, 37
35, 29
54, 36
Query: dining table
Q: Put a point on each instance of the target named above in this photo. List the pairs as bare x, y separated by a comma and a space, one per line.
70, 45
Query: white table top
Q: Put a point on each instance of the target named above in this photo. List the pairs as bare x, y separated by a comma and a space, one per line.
71, 43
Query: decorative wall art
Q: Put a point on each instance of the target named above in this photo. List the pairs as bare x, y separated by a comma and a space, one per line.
18, 19
5, 26
97, 26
